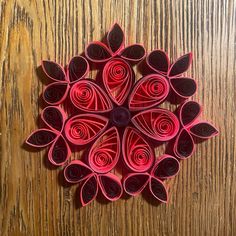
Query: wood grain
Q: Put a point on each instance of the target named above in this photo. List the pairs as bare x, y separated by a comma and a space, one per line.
203, 196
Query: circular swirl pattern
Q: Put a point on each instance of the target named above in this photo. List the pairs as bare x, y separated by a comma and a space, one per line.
118, 78
149, 91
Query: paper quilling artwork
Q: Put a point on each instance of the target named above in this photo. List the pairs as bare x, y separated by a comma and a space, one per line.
117, 120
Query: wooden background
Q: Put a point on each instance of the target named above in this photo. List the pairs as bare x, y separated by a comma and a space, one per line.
203, 196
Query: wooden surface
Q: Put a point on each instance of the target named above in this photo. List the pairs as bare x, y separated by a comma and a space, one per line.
203, 196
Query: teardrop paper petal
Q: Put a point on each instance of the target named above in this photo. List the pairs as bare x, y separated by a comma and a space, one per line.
76, 171
134, 183
149, 91
203, 130
105, 152
82, 129
118, 78
88, 96
41, 138
133, 53
158, 189
111, 186
159, 124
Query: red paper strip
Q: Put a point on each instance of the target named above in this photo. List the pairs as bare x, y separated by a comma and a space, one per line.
118, 78
56, 92
54, 118
99, 52
159, 61
82, 129
88, 96
137, 153
105, 152
184, 143
159, 124
149, 91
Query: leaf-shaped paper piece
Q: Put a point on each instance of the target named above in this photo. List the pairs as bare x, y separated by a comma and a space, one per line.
89, 190
183, 87
165, 167
134, 183
88, 96
76, 171
115, 38
82, 129
203, 130
158, 61
184, 145
97, 52
159, 124
105, 152
189, 112
53, 70
133, 53
54, 117
149, 91
55, 93
110, 186
137, 153
180, 65
78, 68
41, 138
59, 152
118, 78
158, 189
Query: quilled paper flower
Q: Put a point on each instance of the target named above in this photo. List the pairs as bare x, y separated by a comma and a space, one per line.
118, 121
99, 52
182, 86
56, 92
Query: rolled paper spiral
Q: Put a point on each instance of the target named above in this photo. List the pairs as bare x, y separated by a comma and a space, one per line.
137, 153
88, 96
159, 124
82, 129
104, 154
76, 171
118, 78
134, 183
166, 166
149, 91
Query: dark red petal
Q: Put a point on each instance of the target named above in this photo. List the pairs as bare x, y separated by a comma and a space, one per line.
159, 124
184, 145
137, 153
181, 65
134, 183
111, 186
158, 189
76, 171
55, 93
59, 152
78, 68
82, 129
97, 52
41, 138
165, 167
54, 117
105, 152
88, 96
89, 190
203, 130
54, 71
149, 91
115, 38
183, 87
189, 112
133, 53
118, 78
158, 60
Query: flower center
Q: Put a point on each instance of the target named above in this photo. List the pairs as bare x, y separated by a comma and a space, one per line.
120, 116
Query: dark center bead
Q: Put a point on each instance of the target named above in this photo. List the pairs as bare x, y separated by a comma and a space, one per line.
120, 116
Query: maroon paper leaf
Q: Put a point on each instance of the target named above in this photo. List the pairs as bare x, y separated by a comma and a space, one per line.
203, 130
133, 53
158, 189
